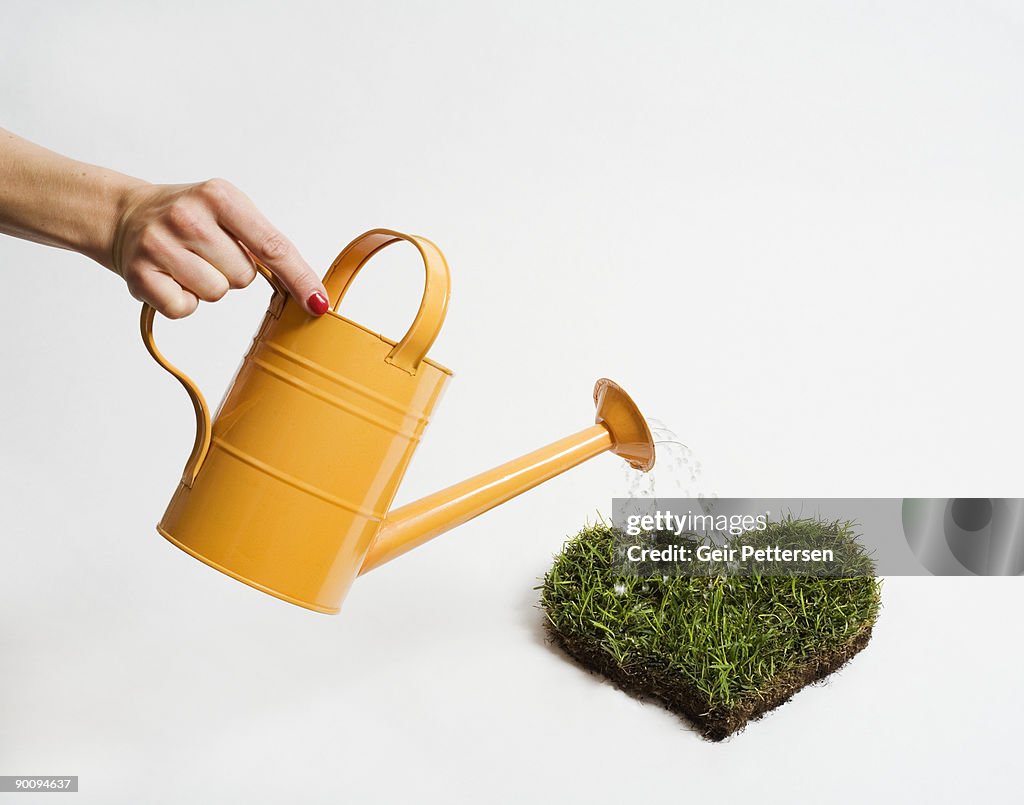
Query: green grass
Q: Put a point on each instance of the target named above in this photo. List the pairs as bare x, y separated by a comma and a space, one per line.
719, 650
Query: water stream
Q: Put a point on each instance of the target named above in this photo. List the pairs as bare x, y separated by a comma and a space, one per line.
677, 473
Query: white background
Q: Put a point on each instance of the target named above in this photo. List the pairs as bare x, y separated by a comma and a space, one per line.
791, 230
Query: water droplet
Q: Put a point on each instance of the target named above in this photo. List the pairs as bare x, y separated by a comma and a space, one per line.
675, 469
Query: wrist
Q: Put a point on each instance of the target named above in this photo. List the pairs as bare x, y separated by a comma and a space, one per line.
115, 195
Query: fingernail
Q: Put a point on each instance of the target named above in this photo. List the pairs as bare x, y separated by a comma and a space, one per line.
317, 304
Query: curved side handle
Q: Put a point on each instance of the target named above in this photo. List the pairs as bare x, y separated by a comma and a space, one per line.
410, 351
203, 425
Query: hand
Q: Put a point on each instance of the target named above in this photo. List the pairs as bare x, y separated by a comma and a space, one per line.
177, 244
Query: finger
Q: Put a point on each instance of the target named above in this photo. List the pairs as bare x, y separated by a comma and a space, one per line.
225, 254
194, 274
164, 293
239, 216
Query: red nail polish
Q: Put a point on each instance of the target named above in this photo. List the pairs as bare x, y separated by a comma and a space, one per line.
317, 303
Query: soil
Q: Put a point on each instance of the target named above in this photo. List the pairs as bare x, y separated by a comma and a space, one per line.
685, 701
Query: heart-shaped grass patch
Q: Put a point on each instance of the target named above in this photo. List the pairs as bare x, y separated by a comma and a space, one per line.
718, 650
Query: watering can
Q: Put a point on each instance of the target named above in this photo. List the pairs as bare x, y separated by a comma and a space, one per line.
289, 487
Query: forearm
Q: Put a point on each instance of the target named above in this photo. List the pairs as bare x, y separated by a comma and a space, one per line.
48, 198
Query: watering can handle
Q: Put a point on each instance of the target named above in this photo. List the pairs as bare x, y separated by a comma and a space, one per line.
410, 351
203, 426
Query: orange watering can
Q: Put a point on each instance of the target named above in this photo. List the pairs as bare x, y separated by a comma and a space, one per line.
300, 523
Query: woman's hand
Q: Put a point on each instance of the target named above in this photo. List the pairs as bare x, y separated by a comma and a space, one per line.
172, 244
175, 245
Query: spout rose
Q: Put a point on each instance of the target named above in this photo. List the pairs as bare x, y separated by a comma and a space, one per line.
628, 427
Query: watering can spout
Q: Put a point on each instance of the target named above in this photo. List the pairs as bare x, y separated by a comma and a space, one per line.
619, 427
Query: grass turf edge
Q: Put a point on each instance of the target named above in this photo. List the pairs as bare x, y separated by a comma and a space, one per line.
719, 722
